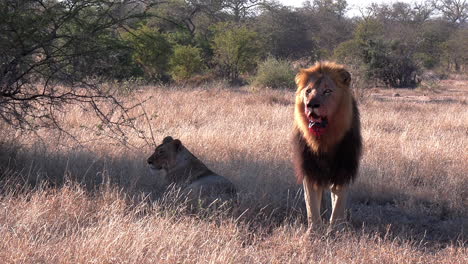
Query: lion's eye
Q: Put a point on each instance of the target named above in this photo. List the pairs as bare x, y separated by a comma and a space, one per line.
307, 92
327, 92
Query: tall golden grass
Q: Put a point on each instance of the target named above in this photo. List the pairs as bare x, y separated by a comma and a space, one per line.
64, 202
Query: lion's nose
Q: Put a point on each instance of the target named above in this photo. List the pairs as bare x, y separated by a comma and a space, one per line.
313, 105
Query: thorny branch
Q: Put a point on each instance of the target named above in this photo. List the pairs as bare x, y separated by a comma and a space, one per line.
40, 69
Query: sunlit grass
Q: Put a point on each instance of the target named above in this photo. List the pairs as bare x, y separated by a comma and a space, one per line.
407, 206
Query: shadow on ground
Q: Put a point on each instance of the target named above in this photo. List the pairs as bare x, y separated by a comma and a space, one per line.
263, 203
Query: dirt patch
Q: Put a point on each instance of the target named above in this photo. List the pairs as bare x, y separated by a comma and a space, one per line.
447, 91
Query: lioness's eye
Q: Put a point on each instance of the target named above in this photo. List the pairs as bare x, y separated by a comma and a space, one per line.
307, 92
327, 92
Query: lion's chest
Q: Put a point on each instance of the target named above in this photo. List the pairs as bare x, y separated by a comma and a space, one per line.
321, 165
338, 166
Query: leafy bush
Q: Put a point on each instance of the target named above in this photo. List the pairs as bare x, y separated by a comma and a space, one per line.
185, 62
348, 52
236, 49
74, 44
275, 74
389, 61
151, 50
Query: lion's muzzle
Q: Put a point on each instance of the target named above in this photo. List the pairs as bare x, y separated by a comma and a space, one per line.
318, 126
153, 165
318, 121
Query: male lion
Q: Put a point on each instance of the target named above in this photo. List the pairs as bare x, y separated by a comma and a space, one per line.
326, 139
182, 168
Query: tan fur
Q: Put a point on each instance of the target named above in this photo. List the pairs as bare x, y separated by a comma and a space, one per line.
181, 167
341, 120
327, 157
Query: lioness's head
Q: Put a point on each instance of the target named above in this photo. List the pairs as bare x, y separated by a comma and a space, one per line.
165, 155
323, 101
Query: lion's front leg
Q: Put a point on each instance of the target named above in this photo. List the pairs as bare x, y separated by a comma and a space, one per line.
313, 197
338, 194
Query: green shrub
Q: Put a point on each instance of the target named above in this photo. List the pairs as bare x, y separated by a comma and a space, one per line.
274, 73
185, 62
150, 50
236, 49
348, 52
390, 61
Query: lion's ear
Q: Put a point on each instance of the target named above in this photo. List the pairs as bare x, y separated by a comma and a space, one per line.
299, 77
167, 139
345, 77
177, 145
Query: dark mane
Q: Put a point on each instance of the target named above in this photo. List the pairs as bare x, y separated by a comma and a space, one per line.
339, 166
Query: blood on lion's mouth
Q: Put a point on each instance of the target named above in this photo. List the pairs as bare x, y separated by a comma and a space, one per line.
317, 124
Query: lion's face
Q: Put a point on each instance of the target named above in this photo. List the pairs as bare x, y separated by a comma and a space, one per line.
165, 155
323, 109
320, 94
320, 98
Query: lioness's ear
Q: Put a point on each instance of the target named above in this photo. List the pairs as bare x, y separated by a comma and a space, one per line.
167, 139
177, 144
345, 77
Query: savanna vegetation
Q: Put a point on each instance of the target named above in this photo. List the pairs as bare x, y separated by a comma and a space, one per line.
66, 202
88, 88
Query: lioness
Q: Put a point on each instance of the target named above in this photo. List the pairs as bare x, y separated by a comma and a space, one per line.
181, 167
326, 139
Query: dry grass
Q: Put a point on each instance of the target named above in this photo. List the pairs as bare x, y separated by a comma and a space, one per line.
409, 204
68, 226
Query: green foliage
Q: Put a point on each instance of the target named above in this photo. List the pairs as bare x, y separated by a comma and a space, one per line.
78, 39
204, 43
274, 73
180, 37
390, 61
74, 44
286, 34
456, 49
430, 49
151, 50
327, 26
63, 39
427, 60
348, 52
236, 49
185, 62
114, 61
369, 30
